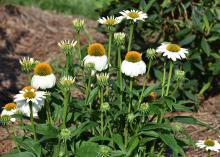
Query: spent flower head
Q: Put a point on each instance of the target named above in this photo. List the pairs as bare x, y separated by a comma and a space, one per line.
102, 79
78, 24
104, 151
119, 38
65, 134
67, 81
151, 54
67, 46
105, 107
179, 75
28, 64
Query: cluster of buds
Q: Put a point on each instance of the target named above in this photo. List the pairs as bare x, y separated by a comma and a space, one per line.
144, 107
78, 24
151, 54
102, 79
67, 46
65, 135
105, 107
119, 38
27, 64
104, 151
67, 81
179, 75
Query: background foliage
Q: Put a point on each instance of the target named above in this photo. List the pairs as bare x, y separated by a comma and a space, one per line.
194, 24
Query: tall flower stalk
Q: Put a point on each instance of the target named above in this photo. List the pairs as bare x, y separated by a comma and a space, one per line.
164, 79
32, 121
169, 78
130, 36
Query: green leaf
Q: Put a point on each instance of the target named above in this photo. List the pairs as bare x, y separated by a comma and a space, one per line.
150, 89
172, 143
47, 130
87, 149
117, 138
92, 95
187, 40
205, 46
20, 154
133, 143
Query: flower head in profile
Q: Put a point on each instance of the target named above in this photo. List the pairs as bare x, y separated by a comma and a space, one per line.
208, 145
28, 95
43, 77
151, 54
9, 110
133, 65
27, 64
172, 51
119, 38
179, 75
109, 21
67, 81
67, 46
97, 56
78, 24
134, 15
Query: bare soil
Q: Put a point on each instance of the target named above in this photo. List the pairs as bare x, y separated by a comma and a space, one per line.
35, 33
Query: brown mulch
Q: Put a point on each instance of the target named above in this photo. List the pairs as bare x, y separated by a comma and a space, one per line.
35, 33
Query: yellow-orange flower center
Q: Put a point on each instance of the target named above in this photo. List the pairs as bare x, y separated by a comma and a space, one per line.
10, 106
110, 22
173, 47
133, 15
153, 95
133, 56
96, 49
209, 142
30, 92
42, 69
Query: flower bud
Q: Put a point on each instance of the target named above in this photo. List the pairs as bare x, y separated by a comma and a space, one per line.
67, 46
177, 127
102, 79
5, 119
119, 38
179, 75
78, 24
67, 81
27, 64
144, 107
104, 151
151, 54
105, 107
131, 117
65, 134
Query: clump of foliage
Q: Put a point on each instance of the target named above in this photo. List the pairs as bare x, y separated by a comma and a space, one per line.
118, 115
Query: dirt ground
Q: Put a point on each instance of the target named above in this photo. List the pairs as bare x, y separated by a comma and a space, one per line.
35, 33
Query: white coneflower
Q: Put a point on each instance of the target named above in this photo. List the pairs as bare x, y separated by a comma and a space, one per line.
208, 145
78, 24
67, 46
27, 64
9, 110
133, 65
97, 56
30, 94
134, 15
172, 51
119, 38
43, 77
109, 21
67, 81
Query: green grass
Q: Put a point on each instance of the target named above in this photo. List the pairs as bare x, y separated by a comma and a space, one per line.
85, 8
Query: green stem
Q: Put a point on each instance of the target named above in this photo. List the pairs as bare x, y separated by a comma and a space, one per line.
109, 47
88, 88
176, 87
101, 102
209, 153
78, 45
67, 65
126, 134
65, 105
145, 81
48, 112
130, 36
169, 78
164, 79
120, 75
130, 95
14, 133
32, 120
